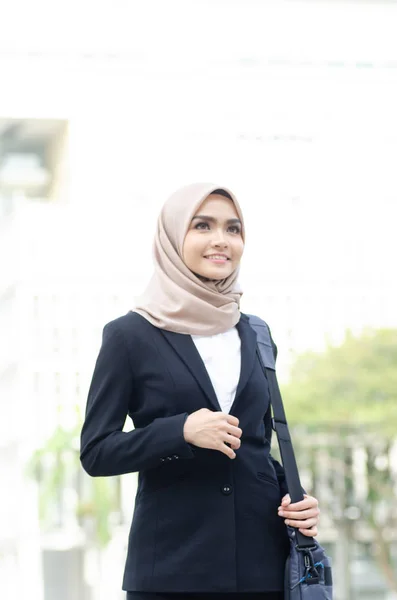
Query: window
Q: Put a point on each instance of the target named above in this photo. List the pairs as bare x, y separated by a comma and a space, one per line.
32, 157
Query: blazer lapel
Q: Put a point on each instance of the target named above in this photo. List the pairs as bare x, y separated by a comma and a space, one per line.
188, 353
248, 354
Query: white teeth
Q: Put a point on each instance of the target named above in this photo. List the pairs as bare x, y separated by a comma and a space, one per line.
216, 256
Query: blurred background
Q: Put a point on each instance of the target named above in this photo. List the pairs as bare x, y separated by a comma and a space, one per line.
106, 107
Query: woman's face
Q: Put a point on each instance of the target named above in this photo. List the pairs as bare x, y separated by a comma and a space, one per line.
213, 244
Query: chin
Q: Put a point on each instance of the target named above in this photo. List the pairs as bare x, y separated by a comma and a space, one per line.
215, 274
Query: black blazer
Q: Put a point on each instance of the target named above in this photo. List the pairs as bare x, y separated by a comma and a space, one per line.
202, 522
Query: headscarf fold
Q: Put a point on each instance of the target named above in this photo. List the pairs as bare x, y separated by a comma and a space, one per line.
176, 299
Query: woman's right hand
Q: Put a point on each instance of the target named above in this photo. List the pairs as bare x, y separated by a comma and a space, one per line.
208, 429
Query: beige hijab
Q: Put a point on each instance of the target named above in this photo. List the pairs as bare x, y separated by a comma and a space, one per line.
176, 299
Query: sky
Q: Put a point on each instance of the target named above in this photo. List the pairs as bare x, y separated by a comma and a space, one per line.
190, 31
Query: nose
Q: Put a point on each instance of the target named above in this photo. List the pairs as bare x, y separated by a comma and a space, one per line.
220, 240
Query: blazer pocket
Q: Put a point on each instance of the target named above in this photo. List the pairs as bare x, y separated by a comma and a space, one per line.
165, 480
268, 478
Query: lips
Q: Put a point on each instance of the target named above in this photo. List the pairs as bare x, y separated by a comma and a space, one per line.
217, 257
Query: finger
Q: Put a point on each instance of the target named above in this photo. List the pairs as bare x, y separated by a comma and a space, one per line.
285, 501
226, 450
309, 532
301, 524
232, 420
236, 431
301, 515
308, 502
233, 441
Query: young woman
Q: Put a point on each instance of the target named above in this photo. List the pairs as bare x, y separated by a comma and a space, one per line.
208, 520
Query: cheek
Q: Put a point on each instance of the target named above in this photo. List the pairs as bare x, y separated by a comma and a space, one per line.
186, 246
191, 248
239, 249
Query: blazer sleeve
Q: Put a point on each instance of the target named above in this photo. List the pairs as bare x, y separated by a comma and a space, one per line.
105, 448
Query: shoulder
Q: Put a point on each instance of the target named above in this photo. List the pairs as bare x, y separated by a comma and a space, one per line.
254, 320
130, 326
129, 335
125, 322
257, 322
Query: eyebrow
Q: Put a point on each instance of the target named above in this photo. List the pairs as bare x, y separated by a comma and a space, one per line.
213, 220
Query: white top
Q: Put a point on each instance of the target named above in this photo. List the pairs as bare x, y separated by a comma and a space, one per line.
221, 354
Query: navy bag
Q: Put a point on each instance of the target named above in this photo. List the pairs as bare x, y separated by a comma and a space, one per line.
308, 574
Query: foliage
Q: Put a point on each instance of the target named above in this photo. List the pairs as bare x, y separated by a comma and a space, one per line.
340, 402
349, 386
56, 467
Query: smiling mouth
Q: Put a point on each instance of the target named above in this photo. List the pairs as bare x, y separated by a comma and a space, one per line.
217, 258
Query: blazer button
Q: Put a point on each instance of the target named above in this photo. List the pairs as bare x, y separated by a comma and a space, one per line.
162, 459
226, 489
169, 457
175, 456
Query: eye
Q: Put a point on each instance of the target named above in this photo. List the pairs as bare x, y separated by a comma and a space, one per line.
236, 228
199, 225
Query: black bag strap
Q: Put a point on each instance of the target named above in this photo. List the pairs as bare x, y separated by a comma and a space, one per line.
266, 355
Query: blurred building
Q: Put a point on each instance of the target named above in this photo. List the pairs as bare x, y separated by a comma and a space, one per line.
30, 165
50, 338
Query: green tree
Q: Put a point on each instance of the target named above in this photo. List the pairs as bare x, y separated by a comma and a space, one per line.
341, 400
354, 384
